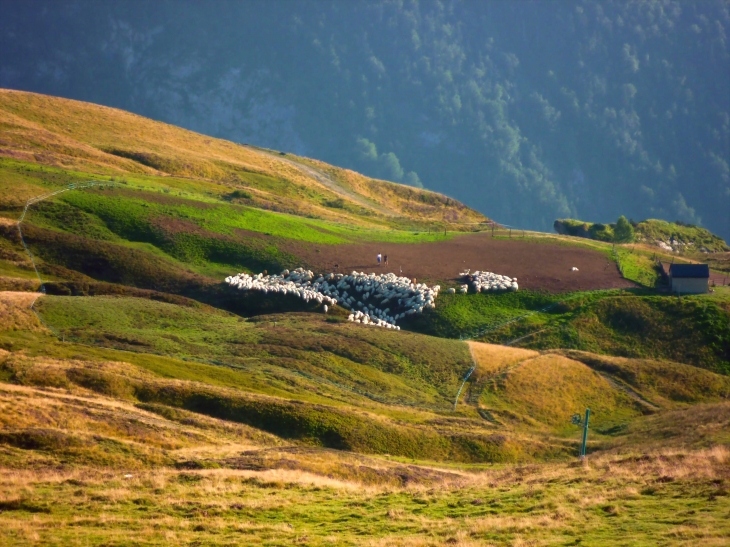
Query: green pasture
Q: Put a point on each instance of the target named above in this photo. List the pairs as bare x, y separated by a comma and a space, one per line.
289, 352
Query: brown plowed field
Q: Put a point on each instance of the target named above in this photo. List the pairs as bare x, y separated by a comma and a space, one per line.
535, 265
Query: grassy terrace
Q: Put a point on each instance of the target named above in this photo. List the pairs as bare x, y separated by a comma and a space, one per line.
199, 201
360, 360
163, 233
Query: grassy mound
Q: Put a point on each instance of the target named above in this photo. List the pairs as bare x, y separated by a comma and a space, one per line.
675, 236
301, 377
662, 383
548, 389
341, 355
684, 237
231, 433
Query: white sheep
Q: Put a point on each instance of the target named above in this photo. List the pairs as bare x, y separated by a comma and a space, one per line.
378, 293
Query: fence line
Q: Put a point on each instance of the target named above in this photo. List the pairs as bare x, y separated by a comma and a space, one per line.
466, 377
617, 258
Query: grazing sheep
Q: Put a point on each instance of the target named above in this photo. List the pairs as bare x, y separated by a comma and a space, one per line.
487, 282
378, 293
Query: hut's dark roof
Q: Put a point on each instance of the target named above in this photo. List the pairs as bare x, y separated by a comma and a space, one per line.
689, 270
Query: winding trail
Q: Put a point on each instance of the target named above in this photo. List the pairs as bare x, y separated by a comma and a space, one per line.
325, 180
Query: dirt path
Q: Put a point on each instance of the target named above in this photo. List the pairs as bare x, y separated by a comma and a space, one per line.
536, 265
330, 184
631, 392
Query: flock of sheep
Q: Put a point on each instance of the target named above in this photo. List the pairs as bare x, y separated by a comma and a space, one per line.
377, 300
486, 282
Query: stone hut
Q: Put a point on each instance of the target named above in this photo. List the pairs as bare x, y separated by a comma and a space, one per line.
689, 278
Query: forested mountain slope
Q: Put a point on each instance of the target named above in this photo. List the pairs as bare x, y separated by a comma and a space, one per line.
527, 111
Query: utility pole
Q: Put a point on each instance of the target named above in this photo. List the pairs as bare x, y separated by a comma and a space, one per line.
577, 420
585, 435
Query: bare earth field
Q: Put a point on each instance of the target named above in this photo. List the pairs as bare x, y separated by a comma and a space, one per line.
535, 265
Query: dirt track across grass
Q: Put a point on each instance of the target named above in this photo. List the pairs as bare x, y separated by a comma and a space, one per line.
536, 265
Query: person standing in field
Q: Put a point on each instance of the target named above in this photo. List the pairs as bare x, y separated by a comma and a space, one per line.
385, 260
380, 257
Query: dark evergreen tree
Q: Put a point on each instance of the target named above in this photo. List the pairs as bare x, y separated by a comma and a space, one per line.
624, 231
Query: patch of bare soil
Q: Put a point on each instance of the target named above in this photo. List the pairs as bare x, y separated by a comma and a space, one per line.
536, 265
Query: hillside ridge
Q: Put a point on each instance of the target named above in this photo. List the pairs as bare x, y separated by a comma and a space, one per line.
83, 136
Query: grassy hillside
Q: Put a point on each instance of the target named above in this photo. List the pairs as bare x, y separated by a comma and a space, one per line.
164, 422
230, 483
83, 137
668, 236
680, 237
171, 233
343, 386
693, 330
139, 361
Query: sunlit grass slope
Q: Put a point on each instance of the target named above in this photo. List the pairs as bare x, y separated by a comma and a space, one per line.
89, 138
166, 422
178, 211
369, 390
177, 241
149, 475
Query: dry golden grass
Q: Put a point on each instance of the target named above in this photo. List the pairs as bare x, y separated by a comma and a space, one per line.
83, 417
459, 539
698, 425
15, 313
18, 298
326, 502
492, 358
551, 388
395, 197
667, 384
